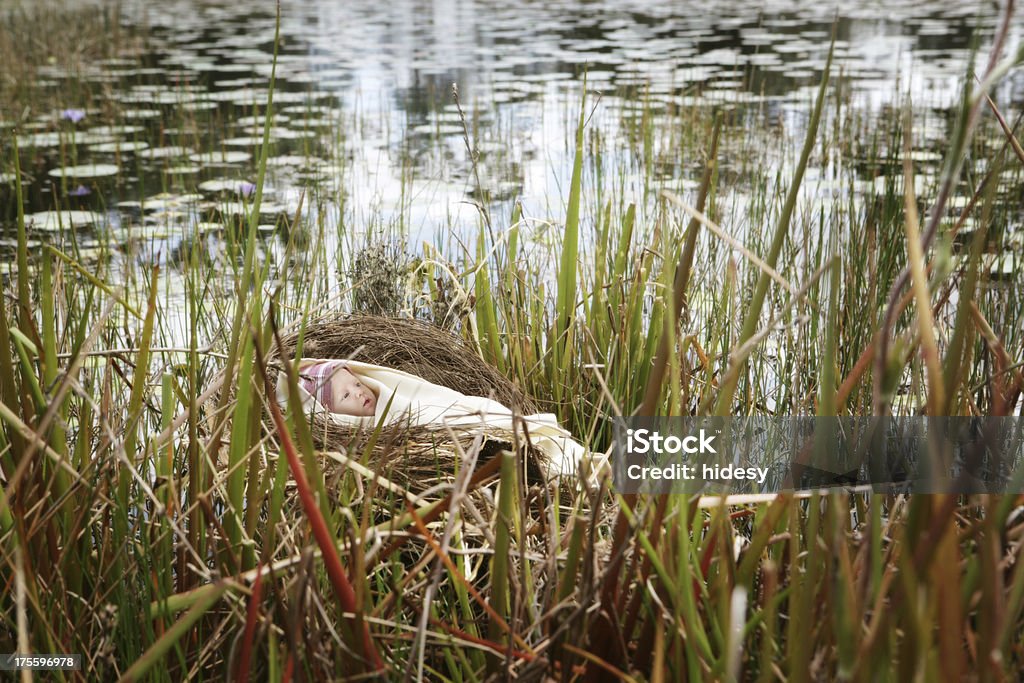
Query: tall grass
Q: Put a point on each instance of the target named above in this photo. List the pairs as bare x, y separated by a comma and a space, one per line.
152, 521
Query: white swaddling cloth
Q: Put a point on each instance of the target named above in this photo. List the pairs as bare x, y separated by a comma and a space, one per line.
421, 403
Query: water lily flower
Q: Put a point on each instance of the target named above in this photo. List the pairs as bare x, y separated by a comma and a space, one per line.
80, 191
73, 115
246, 188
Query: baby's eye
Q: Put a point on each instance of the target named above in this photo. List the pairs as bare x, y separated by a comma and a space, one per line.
345, 396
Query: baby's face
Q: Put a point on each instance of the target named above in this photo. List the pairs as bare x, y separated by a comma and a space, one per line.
350, 396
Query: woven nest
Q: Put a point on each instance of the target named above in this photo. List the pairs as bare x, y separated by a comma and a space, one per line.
417, 456
423, 460
412, 346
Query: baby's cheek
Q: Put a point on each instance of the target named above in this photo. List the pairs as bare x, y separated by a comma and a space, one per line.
337, 391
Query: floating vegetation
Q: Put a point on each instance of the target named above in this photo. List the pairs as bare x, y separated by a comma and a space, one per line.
134, 114
244, 141
217, 185
120, 147
85, 171
56, 139
116, 131
183, 169
295, 161
256, 122
171, 152
164, 201
230, 209
53, 221
220, 157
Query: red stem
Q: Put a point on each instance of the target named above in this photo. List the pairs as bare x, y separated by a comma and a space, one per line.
250, 627
332, 563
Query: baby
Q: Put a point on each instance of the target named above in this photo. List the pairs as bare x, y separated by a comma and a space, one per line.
338, 389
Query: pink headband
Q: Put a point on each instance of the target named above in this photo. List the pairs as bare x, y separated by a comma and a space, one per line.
316, 379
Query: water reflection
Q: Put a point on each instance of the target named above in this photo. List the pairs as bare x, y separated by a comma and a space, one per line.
364, 106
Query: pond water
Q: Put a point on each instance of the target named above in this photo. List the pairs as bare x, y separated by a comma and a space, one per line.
159, 143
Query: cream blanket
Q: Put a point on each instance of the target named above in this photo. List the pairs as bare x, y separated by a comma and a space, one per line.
421, 403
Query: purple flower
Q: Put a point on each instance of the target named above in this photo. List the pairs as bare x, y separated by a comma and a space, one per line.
73, 115
246, 188
80, 191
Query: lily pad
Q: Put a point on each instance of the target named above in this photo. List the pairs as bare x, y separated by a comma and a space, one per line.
227, 185
52, 221
11, 243
218, 157
293, 134
267, 209
166, 201
55, 139
258, 120
171, 152
85, 171
166, 219
198, 106
133, 114
295, 161
119, 147
115, 130
318, 122
244, 141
